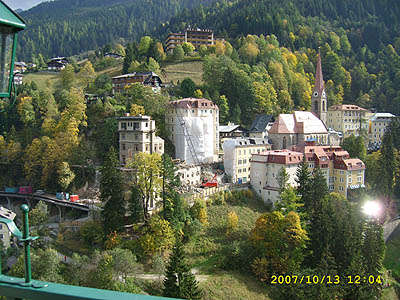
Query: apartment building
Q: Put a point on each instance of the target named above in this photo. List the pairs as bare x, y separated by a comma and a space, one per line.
137, 134
264, 168
237, 156
347, 118
195, 36
193, 127
5, 235
343, 174
377, 127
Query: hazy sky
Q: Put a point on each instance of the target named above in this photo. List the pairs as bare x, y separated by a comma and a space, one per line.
23, 4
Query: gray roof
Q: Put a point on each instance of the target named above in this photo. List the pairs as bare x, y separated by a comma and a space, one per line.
250, 141
230, 128
380, 116
260, 123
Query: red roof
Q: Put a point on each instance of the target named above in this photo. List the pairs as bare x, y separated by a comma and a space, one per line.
346, 107
283, 157
188, 103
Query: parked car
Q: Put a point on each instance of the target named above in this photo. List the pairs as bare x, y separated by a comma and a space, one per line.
40, 192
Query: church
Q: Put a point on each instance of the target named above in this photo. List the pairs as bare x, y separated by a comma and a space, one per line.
303, 126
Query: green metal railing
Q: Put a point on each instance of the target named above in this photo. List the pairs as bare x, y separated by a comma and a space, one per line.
26, 288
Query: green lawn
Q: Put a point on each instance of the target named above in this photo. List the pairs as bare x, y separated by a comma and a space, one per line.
180, 71
233, 286
42, 79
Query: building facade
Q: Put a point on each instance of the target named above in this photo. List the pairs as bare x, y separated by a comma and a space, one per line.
348, 119
195, 36
264, 170
146, 78
297, 128
318, 99
137, 134
190, 175
237, 156
343, 174
193, 129
57, 63
377, 127
231, 131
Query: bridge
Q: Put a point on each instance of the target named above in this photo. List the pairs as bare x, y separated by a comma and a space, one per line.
389, 227
46, 198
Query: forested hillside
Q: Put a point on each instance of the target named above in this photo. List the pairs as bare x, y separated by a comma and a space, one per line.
359, 41
68, 27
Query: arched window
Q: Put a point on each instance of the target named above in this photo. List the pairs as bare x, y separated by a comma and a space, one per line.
316, 106
284, 142
324, 105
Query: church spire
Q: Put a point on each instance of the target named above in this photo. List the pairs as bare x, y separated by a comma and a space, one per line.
318, 98
319, 80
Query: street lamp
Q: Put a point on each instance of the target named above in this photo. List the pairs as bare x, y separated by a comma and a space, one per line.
7, 217
10, 24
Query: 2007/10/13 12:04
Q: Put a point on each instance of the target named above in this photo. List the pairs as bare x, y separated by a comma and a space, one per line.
325, 279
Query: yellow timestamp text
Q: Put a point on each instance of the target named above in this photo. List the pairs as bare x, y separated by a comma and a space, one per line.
326, 279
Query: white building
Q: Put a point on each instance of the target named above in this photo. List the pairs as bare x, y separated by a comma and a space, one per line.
377, 127
190, 175
237, 156
264, 170
137, 134
193, 127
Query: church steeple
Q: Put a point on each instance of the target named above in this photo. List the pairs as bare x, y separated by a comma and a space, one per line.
318, 99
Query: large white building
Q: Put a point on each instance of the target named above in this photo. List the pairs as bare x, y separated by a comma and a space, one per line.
237, 156
193, 127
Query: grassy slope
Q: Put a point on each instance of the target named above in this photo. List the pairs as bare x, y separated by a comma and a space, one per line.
205, 252
42, 79
179, 71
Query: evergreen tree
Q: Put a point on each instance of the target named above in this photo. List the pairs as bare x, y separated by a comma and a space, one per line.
319, 189
179, 282
111, 188
389, 163
173, 208
135, 205
373, 250
304, 182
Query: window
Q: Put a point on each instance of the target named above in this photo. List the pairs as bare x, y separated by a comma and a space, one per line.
147, 124
122, 136
147, 147
341, 179
147, 135
136, 137
123, 159
136, 126
359, 179
123, 125
123, 147
350, 179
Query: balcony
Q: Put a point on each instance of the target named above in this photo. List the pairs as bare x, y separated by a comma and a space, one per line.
14, 288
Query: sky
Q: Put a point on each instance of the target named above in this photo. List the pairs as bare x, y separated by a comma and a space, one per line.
23, 4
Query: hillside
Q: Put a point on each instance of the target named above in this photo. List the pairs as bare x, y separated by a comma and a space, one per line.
67, 27
366, 22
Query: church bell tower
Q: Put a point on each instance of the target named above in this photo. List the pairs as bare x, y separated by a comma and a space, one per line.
318, 99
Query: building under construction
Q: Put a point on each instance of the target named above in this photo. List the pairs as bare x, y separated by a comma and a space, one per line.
193, 127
